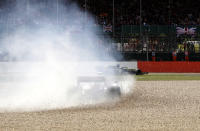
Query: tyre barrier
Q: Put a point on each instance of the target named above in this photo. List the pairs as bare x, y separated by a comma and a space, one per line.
169, 67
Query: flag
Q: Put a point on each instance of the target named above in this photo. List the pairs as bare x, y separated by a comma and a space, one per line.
107, 28
185, 30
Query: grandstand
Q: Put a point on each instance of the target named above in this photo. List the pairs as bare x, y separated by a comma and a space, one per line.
156, 31
138, 28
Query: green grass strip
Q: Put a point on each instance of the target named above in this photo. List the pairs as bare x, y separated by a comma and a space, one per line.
167, 77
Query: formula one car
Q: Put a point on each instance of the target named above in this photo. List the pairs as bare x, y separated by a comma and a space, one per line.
104, 83
100, 86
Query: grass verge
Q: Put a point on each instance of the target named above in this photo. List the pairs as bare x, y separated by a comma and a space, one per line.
167, 77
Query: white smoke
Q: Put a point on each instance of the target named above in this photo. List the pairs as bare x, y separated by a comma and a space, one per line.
46, 48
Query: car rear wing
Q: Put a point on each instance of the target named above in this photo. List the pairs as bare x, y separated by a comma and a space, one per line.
90, 79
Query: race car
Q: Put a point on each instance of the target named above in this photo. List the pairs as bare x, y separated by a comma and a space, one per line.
98, 87
103, 83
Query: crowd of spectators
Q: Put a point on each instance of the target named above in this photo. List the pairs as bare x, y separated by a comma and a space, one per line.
131, 12
127, 12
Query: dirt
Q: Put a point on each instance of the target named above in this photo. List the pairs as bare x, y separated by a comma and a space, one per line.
154, 105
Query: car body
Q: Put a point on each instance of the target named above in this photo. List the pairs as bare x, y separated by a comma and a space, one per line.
98, 86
